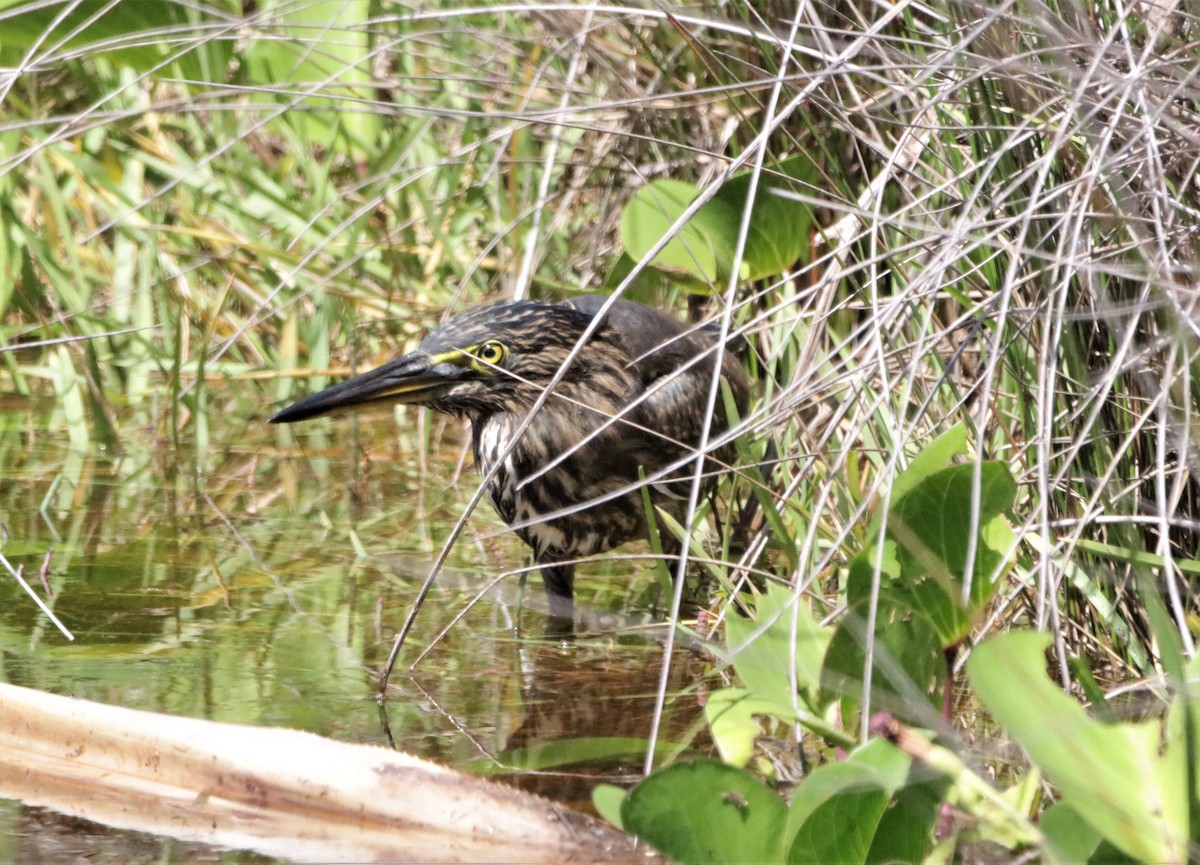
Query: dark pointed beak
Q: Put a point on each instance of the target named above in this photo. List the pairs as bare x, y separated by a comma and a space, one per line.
413, 378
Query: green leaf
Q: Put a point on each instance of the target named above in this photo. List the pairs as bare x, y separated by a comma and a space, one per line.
1070, 840
780, 227
131, 26
1111, 775
706, 812
907, 664
700, 249
921, 563
843, 827
905, 830
324, 43
732, 715
782, 634
934, 457
932, 525
862, 570
646, 287
608, 799
836, 811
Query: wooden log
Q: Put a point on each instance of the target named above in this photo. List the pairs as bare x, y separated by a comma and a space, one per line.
279, 792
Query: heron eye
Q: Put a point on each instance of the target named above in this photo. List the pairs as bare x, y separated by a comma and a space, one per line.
492, 353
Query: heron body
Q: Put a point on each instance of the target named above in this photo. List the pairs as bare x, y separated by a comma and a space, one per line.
631, 405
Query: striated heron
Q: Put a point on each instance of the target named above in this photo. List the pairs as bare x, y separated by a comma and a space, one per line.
630, 405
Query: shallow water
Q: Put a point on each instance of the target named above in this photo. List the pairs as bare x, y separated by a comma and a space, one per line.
260, 580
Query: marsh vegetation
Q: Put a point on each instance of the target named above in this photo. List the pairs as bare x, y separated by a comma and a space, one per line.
956, 243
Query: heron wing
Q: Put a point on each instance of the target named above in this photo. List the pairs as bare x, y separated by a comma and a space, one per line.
660, 348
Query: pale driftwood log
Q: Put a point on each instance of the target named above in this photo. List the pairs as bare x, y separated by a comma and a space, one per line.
280, 792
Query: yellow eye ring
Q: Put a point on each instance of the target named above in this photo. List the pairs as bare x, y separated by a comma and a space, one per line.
492, 353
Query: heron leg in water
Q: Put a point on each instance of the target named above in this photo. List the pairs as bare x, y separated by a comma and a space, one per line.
559, 580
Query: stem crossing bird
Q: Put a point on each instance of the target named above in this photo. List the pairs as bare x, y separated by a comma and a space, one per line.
630, 404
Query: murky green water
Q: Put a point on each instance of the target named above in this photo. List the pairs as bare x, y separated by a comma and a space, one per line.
261, 581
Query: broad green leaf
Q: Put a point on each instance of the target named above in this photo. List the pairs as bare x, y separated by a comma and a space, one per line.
1111, 775
782, 634
608, 799
706, 812
932, 522
907, 664
131, 27
701, 249
932, 525
1069, 838
779, 230
936, 606
905, 831
732, 715
862, 570
780, 227
646, 287
325, 46
836, 810
843, 828
934, 457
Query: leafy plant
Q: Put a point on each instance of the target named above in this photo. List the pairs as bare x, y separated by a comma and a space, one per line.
699, 254
794, 670
940, 552
865, 809
1126, 789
